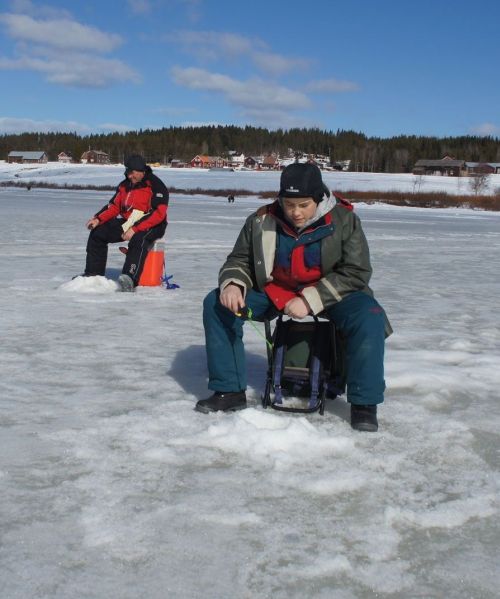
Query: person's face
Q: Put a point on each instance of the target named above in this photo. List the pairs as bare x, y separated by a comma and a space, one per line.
299, 210
135, 176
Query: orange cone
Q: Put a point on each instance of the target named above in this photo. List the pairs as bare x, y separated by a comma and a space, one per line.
154, 266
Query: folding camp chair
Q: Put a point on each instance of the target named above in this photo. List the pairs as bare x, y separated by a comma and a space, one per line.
305, 365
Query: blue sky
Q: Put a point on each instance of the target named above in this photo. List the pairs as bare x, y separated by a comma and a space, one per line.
380, 67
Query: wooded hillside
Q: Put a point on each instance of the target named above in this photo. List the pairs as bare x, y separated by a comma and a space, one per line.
372, 154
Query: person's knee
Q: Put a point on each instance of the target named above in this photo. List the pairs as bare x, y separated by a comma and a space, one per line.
373, 316
365, 317
137, 240
100, 234
94, 234
368, 333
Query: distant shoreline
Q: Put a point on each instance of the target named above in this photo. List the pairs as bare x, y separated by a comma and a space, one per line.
394, 198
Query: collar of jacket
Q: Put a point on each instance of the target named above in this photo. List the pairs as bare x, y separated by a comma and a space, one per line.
145, 182
322, 214
324, 207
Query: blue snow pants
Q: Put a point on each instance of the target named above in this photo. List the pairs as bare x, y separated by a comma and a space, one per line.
358, 317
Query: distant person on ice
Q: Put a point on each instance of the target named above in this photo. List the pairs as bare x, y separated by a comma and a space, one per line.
303, 254
137, 213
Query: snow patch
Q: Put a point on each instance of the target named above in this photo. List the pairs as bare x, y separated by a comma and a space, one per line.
450, 514
232, 519
96, 284
326, 567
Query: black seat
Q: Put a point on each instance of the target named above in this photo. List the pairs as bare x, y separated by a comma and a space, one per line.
305, 365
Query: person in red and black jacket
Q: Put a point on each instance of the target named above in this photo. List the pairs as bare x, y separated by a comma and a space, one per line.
137, 213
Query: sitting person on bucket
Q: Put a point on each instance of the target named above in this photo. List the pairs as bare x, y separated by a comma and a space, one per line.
304, 254
137, 213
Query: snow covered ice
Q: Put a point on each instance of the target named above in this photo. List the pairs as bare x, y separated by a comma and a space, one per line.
112, 486
193, 178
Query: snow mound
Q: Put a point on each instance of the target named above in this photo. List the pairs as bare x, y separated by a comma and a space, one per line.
90, 285
261, 436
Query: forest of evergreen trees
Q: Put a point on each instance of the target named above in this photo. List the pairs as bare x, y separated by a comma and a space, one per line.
371, 154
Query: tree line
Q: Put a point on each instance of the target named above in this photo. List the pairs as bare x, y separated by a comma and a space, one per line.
367, 154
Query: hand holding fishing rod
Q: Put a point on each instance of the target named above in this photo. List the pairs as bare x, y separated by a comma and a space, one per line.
231, 297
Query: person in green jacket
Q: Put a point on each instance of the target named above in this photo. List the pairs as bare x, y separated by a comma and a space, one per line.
304, 254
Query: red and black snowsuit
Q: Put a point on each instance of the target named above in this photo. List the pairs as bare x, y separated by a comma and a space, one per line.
149, 196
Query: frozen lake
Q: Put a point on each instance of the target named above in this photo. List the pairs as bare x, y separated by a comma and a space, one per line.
112, 486
255, 181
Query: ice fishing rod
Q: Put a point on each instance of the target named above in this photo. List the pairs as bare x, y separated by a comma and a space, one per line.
247, 313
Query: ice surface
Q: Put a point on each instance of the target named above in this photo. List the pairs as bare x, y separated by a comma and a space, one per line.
112, 486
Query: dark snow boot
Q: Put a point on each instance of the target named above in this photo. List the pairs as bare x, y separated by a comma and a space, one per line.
223, 402
364, 418
125, 283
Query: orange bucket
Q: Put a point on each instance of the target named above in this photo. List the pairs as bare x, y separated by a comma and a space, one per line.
154, 266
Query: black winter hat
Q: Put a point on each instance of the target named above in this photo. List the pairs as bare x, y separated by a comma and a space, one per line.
300, 180
135, 163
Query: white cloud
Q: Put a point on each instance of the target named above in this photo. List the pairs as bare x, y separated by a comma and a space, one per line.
486, 129
10, 125
59, 33
64, 51
202, 124
274, 119
276, 64
212, 45
209, 46
78, 70
262, 102
331, 86
112, 127
251, 94
139, 7
193, 9
27, 7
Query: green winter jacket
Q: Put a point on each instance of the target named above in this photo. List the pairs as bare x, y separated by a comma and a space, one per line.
345, 259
